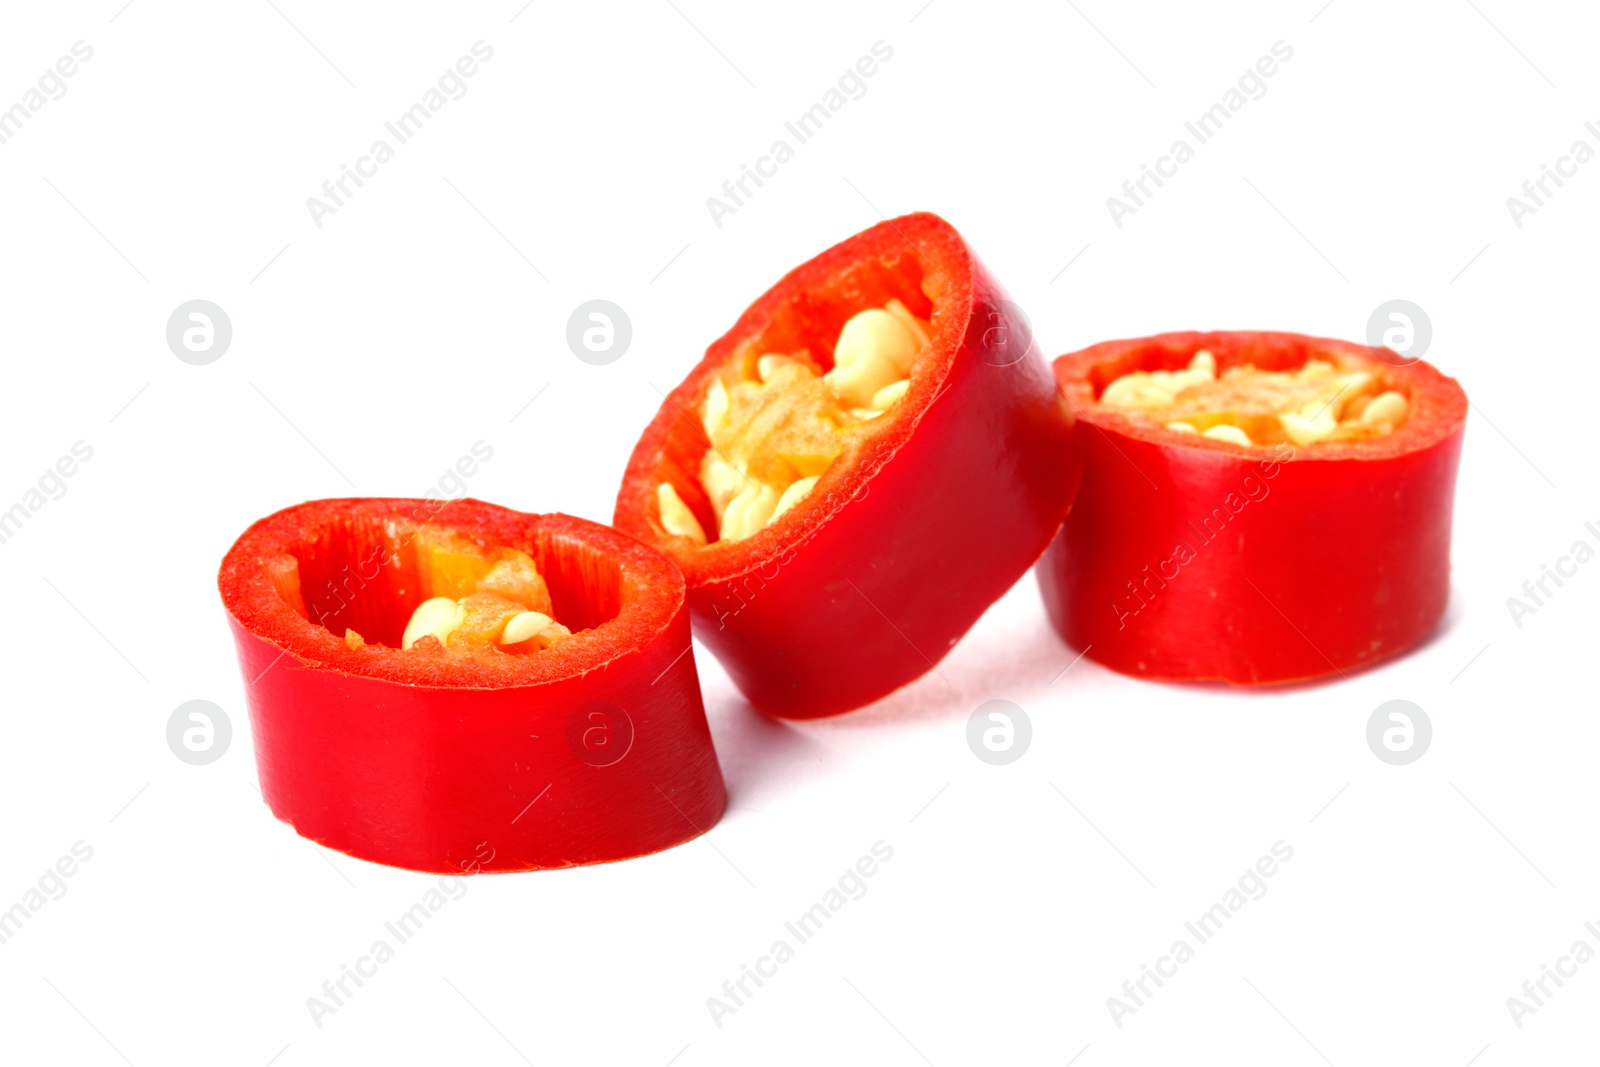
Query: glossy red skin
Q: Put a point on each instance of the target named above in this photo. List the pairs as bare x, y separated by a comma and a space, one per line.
868, 583
1327, 562
435, 764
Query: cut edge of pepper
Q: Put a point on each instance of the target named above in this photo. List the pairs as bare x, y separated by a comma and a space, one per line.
262, 591
672, 446
1437, 402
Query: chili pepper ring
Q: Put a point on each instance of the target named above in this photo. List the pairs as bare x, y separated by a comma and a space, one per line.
1285, 520
868, 459
593, 749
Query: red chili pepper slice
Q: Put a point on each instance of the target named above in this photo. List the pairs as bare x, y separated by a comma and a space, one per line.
449, 760
1186, 558
918, 525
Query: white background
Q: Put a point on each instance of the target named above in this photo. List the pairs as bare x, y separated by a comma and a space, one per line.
370, 353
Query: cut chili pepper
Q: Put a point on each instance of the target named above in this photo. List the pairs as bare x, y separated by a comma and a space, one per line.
870, 457
458, 755
1319, 545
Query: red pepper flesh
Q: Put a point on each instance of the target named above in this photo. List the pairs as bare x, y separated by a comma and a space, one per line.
904, 541
1187, 558
595, 749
